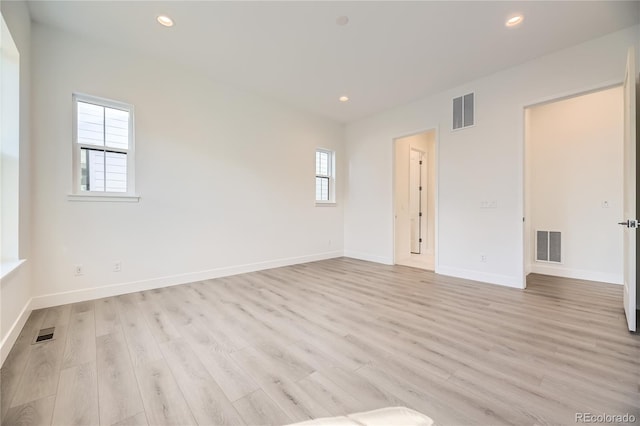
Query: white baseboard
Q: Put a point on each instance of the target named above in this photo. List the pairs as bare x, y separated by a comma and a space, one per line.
578, 274
368, 257
74, 296
504, 280
11, 337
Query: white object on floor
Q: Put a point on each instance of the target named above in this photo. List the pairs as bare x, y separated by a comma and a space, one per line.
396, 416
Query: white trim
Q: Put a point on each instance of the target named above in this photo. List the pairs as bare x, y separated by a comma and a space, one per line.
436, 222
103, 197
485, 277
326, 204
579, 274
13, 333
74, 296
8, 266
369, 257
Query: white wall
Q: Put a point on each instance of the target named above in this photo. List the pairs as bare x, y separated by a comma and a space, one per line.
16, 288
576, 160
482, 163
226, 178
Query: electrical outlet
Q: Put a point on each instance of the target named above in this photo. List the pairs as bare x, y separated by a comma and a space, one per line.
78, 270
483, 258
117, 266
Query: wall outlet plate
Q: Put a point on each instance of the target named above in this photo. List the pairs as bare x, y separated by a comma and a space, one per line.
78, 270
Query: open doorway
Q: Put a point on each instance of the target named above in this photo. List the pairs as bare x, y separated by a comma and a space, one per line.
574, 187
415, 199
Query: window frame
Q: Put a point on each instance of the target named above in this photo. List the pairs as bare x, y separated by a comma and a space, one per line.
331, 176
77, 194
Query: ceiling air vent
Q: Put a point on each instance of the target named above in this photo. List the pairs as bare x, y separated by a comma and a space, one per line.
549, 246
463, 111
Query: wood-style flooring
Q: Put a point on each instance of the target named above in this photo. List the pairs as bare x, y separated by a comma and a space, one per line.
324, 339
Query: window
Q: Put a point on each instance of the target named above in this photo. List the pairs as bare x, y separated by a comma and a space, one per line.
325, 186
9, 151
103, 147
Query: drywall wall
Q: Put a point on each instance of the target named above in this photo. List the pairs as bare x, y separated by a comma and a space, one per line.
576, 156
16, 287
226, 178
480, 164
425, 143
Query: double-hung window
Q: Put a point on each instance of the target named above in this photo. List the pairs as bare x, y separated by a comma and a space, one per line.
103, 150
325, 185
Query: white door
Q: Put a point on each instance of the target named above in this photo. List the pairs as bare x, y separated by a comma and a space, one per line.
630, 221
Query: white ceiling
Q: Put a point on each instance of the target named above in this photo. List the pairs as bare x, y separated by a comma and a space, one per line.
390, 53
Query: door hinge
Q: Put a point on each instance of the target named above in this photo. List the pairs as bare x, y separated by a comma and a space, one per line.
420, 161
631, 223
419, 240
420, 214
419, 188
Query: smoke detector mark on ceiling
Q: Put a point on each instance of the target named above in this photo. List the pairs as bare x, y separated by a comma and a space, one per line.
342, 20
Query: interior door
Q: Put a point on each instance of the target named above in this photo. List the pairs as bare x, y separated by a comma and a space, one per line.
630, 221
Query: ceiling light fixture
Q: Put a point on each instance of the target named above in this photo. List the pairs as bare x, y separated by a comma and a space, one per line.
514, 20
344, 98
342, 20
165, 20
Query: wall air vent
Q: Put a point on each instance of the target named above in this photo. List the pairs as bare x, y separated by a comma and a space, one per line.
549, 246
463, 111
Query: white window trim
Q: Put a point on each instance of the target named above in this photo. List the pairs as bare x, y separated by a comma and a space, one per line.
331, 202
8, 266
79, 195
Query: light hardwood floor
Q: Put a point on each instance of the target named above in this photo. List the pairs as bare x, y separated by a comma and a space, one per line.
324, 339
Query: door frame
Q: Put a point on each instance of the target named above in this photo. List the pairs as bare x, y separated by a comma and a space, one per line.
527, 237
436, 245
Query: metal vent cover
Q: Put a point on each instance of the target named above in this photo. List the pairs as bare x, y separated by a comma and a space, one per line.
463, 111
44, 335
549, 246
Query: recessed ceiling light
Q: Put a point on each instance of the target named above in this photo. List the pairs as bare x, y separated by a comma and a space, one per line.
344, 98
514, 20
165, 20
342, 20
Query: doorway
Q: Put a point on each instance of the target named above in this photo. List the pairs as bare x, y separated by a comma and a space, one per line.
415, 200
573, 186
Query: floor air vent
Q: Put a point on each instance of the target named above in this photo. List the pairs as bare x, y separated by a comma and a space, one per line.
549, 246
44, 335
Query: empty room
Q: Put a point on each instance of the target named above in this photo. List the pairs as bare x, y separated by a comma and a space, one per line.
319, 212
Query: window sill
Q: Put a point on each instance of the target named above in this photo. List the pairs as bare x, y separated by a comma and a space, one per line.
326, 204
104, 198
8, 266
